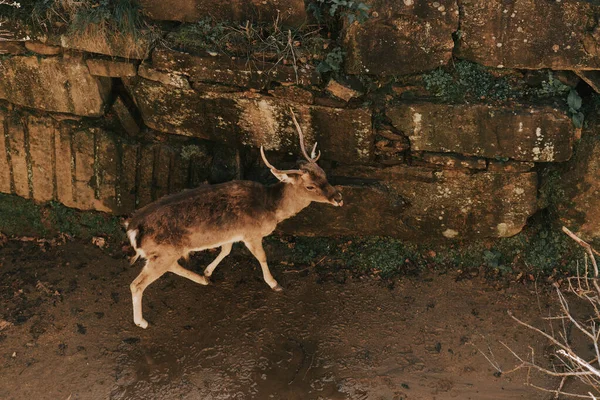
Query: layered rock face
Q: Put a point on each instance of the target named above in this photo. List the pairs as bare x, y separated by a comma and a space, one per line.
111, 127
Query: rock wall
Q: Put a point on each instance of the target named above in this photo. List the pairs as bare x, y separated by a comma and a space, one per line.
112, 125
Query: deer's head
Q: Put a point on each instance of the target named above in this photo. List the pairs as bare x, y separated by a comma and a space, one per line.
309, 179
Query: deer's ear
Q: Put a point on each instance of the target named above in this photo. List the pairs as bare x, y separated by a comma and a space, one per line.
287, 177
284, 177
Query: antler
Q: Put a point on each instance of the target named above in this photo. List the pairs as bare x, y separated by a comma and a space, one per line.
275, 170
314, 158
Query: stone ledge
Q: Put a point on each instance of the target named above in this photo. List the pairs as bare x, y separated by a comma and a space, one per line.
228, 71
519, 132
57, 84
251, 119
110, 68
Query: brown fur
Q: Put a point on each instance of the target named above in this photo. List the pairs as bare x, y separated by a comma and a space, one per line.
218, 215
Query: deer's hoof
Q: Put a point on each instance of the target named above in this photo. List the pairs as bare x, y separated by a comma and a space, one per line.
142, 324
278, 288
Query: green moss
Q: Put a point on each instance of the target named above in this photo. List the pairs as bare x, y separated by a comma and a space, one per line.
83, 224
20, 216
333, 62
550, 87
538, 250
467, 80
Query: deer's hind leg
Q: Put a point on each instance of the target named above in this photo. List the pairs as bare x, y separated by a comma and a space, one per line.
155, 267
177, 269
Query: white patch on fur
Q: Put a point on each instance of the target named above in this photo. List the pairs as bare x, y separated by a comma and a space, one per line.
132, 235
132, 238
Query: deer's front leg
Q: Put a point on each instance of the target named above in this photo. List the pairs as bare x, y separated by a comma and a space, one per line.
153, 270
256, 248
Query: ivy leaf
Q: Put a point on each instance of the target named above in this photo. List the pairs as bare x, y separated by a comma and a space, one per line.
574, 100
578, 119
333, 9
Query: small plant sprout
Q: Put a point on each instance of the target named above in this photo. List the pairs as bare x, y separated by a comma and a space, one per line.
574, 102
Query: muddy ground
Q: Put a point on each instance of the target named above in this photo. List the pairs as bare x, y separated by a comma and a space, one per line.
72, 337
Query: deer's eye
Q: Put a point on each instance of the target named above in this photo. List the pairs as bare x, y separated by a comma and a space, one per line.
310, 188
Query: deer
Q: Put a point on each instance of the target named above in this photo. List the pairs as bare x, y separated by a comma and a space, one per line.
211, 216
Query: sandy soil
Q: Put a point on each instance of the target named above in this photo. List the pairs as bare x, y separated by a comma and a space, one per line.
72, 335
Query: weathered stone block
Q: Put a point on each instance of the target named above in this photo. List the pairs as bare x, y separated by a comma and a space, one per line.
14, 48
196, 161
4, 165
128, 122
293, 93
415, 203
509, 166
90, 168
524, 133
401, 37
64, 166
163, 163
146, 174
166, 78
345, 135
106, 172
44, 49
455, 161
575, 190
110, 68
390, 147
592, 78
129, 168
341, 91
41, 149
290, 12
53, 84
228, 71
125, 46
172, 110
17, 149
530, 34
85, 188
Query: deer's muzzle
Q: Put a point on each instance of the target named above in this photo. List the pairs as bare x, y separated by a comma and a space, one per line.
337, 199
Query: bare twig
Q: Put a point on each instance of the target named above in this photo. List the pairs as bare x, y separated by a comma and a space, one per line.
8, 3
586, 286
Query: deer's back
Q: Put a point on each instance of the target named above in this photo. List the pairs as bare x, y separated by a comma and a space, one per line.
207, 215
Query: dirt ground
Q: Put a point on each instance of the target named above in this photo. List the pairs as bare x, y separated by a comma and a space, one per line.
72, 336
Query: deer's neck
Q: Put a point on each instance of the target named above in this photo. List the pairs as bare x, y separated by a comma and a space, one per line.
287, 201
